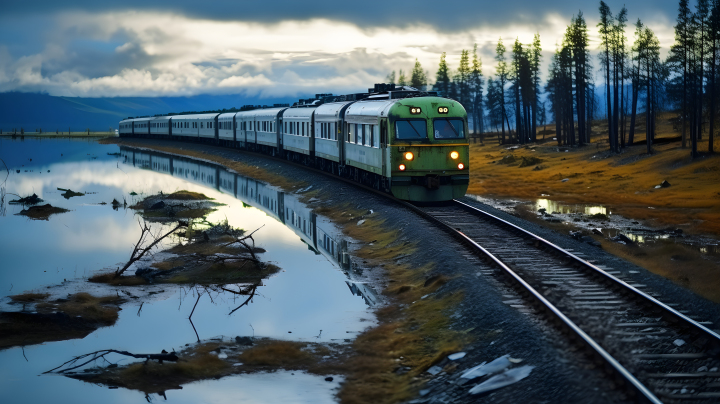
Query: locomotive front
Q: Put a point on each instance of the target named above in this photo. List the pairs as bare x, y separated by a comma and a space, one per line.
429, 150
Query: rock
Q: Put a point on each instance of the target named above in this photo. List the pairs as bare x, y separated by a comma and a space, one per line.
665, 184
577, 235
621, 238
565, 180
434, 370
553, 219
598, 232
158, 205
329, 379
456, 356
537, 168
678, 342
244, 341
542, 210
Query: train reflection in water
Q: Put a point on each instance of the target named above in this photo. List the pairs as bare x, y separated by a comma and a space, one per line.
316, 232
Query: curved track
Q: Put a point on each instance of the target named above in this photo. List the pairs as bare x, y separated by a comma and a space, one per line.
661, 354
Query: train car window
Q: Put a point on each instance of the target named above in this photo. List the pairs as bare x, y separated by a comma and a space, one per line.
373, 137
349, 132
411, 129
448, 128
302, 128
202, 125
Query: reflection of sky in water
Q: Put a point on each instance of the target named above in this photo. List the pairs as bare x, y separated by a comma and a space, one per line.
555, 206
309, 295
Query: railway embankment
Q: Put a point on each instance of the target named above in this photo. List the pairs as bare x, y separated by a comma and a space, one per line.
440, 299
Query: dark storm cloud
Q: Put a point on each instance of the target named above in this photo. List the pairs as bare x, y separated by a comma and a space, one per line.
442, 14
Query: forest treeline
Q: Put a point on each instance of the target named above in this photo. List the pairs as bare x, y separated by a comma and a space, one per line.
636, 81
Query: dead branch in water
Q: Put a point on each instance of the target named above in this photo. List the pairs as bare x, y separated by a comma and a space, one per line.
139, 251
250, 248
171, 357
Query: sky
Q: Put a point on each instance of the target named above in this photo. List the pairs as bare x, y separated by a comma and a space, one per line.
270, 49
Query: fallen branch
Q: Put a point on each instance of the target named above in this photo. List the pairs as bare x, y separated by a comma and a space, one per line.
170, 357
139, 251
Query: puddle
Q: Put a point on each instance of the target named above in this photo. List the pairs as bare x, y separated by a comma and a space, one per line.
318, 296
591, 217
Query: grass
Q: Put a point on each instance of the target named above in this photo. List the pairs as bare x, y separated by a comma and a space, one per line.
102, 309
625, 182
278, 354
29, 297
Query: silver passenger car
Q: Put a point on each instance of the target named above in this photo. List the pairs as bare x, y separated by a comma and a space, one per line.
196, 125
226, 126
160, 126
297, 130
329, 122
362, 129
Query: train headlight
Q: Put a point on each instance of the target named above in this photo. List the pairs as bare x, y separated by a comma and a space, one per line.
454, 155
443, 110
409, 156
461, 166
402, 167
415, 110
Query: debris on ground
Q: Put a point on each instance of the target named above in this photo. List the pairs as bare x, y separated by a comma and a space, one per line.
42, 212
69, 193
504, 379
177, 205
28, 200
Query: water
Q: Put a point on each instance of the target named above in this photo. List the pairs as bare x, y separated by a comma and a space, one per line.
314, 291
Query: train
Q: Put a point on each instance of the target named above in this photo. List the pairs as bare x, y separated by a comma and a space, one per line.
318, 233
397, 139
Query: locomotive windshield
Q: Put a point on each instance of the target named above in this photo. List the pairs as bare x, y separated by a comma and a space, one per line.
446, 128
411, 129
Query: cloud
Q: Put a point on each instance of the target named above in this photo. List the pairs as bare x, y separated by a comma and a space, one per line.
146, 52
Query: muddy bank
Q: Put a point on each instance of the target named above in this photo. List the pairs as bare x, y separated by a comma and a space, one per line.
42, 212
177, 205
215, 359
73, 317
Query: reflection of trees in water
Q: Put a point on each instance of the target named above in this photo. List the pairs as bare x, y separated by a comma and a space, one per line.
3, 209
214, 291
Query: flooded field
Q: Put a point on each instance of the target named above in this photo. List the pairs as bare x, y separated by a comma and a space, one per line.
313, 298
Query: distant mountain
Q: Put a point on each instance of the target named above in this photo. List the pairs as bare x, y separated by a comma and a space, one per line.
33, 111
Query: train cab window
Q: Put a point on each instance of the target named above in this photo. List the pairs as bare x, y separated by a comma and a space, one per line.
411, 129
448, 128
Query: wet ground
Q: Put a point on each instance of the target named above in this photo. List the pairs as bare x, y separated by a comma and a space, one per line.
601, 218
313, 298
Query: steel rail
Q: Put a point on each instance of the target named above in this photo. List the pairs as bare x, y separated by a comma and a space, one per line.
642, 392
713, 337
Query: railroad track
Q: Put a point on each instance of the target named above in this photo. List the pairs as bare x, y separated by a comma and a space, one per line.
661, 354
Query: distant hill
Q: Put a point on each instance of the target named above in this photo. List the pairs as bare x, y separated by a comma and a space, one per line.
32, 110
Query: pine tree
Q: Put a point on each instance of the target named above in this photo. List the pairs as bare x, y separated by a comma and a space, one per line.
418, 78
606, 31
476, 93
463, 79
501, 71
402, 81
442, 79
535, 66
390, 78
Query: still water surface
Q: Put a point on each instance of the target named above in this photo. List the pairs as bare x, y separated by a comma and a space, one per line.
313, 298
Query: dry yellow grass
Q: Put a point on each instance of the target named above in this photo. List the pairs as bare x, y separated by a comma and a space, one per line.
625, 183
29, 297
101, 309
